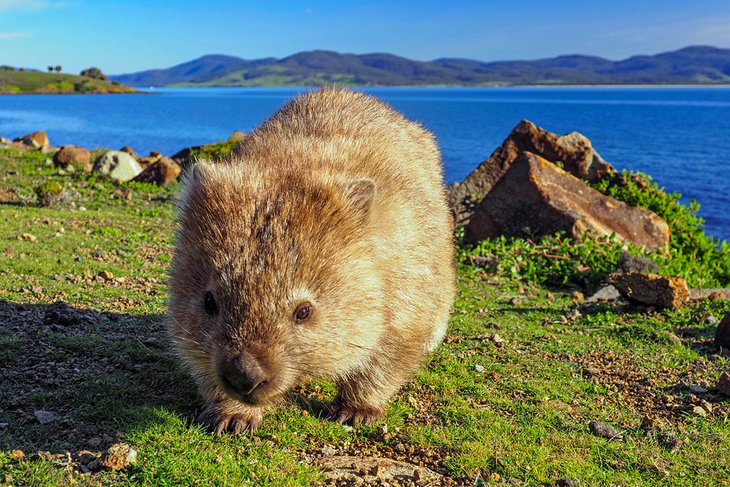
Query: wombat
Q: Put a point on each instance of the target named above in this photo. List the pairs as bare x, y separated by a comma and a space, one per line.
322, 247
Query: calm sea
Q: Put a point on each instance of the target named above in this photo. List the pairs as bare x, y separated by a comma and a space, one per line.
680, 136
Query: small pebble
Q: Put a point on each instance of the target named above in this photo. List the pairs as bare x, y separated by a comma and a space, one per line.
479, 368
577, 297
699, 411
44, 417
697, 389
604, 431
106, 275
496, 339
328, 451
674, 339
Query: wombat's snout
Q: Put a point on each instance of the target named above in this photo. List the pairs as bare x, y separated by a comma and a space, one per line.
244, 376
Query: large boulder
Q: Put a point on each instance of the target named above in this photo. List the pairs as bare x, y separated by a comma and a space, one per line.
162, 172
118, 165
535, 197
79, 157
573, 150
37, 140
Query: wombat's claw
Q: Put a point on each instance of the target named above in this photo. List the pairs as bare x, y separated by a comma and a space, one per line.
353, 415
235, 422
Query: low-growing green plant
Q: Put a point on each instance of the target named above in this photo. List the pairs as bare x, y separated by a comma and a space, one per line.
702, 260
553, 259
49, 193
216, 151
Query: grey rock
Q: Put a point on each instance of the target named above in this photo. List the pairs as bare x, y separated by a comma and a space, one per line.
606, 293
118, 165
328, 451
604, 431
44, 417
629, 262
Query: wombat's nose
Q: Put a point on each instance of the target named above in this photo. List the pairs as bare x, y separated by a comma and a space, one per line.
243, 375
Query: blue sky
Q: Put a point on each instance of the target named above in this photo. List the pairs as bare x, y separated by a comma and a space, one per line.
125, 36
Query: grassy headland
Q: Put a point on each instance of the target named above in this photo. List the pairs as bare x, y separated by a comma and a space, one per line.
38, 82
506, 400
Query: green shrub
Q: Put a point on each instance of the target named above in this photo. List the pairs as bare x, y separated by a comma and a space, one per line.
553, 259
701, 259
215, 152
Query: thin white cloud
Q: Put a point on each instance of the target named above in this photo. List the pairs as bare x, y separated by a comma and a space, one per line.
13, 35
33, 5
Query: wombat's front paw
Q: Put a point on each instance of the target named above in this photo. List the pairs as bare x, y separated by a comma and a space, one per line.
232, 417
348, 414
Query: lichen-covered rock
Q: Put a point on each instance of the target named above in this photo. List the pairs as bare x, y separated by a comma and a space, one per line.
355, 470
574, 151
79, 157
118, 165
535, 197
652, 290
118, 456
162, 172
50, 193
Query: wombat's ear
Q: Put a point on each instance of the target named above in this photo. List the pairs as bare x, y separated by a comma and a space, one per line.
197, 174
360, 194
193, 183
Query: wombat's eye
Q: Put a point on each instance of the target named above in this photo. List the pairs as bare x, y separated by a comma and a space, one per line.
303, 312
209, 304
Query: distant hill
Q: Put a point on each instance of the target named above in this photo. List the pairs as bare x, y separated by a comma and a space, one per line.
16, 81
691, 65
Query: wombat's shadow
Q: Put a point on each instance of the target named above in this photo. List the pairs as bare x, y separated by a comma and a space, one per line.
76, 379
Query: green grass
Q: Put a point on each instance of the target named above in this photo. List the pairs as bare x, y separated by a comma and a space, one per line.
113, 376
16, 82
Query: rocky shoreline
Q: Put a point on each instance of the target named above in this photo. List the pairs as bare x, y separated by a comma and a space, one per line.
535, 183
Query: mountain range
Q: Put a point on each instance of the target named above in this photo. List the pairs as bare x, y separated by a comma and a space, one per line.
690, 65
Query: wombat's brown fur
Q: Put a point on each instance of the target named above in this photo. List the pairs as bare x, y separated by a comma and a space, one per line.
322, 248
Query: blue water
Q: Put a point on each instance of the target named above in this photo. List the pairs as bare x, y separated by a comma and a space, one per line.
680, 136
